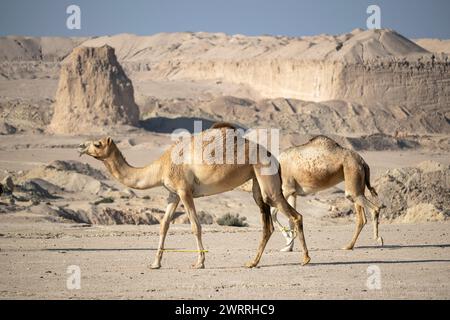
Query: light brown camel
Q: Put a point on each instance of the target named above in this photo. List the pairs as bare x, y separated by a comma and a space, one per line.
320, 164
191, 179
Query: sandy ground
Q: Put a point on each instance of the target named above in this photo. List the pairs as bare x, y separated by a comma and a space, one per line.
414, 264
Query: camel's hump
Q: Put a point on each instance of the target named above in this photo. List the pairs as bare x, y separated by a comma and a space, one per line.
323, 140
219, 125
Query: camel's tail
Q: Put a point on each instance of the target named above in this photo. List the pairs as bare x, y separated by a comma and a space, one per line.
367, 180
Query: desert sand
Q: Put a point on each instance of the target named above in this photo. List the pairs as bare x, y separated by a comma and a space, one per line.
375, 92
114, 263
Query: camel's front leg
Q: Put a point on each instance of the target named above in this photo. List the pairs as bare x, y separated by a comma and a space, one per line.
360, 222
173, 201
188, 201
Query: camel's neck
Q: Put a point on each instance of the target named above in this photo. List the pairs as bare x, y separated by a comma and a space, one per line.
138, 178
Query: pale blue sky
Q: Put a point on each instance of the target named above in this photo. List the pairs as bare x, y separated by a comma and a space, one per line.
412, 18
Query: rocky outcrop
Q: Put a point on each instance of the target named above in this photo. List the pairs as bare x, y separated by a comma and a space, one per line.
416, 194
336, 117
94, 93
379, 67
70, 176
34, 57
363, 82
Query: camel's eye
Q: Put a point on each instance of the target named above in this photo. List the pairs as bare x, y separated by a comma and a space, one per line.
97, 144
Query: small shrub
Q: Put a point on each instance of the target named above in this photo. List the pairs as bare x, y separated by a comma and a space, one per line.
232, 220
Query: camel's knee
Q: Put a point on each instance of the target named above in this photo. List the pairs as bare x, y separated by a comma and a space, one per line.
375, 215
164, 222
361, 221
349, 197
296, 220
267, 199
196, 228
364, 202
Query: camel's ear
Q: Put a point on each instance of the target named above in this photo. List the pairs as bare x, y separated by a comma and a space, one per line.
108, 141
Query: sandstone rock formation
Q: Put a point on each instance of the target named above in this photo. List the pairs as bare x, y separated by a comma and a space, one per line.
352, 125
356, 84
70, 176
415, 191
94, 92
34, 57
379, 67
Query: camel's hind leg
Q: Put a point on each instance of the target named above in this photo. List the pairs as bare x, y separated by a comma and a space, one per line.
289, 235
266, 219
295, 219
172, 203
271, 192
375, 212
354, 191
188, 201
355, 185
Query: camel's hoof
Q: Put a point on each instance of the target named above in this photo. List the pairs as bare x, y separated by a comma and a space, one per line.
380, 241
306, 260
155, 265
349, 247
287, 249
198, 266
250, 264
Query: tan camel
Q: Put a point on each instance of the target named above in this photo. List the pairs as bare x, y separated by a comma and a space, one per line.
320, 164
189, 180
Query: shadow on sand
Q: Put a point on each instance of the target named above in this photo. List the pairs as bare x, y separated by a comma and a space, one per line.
168, 125
414, 246
100, 249
363, 262
332, 263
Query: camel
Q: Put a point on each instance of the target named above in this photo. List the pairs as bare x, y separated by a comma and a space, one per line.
320, 164
192, 179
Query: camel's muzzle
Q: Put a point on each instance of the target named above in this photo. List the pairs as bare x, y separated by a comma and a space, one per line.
82, 148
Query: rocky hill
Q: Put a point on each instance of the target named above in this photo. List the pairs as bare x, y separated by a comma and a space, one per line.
359, 83
375, 66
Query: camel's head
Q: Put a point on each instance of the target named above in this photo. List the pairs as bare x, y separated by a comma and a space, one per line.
99, 149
